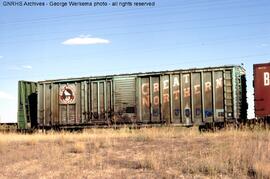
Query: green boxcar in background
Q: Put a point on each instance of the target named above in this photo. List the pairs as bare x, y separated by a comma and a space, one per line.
27, 105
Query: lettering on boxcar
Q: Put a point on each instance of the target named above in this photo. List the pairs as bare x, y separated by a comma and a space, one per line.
145, 101
176, 94
266, 77
175, 82
207, 86
219, 83
166, 98
156, 87
186, 77
165, 84
186, 92
197, 89
67, 94
145, 93
156, 100
145, 88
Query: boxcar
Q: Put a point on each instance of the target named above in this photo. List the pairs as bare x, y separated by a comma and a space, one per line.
186, 97
262, 90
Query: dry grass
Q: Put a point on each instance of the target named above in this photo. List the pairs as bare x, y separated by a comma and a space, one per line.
145, 153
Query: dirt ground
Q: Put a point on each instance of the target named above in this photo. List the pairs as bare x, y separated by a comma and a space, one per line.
144, 153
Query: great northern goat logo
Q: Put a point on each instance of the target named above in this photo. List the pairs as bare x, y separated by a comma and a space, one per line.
67, 95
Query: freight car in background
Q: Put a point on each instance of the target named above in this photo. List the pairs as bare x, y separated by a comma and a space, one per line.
262, 91
200, 96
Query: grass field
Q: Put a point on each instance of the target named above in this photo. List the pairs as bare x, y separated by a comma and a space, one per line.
142, 153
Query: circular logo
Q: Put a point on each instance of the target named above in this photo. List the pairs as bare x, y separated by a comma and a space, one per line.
67, 95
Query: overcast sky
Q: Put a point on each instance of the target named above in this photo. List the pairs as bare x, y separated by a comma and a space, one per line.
38, 43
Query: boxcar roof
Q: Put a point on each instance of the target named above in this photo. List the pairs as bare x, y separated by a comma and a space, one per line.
140, 74
261, 64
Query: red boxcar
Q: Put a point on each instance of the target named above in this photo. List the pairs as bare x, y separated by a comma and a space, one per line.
262, 89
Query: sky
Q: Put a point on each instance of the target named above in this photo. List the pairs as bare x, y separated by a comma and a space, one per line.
40, 43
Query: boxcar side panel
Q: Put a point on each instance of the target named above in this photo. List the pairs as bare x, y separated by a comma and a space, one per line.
188, 97
191, 97
208, 100
145, 99
166, 112
197, 98
155, 99
176, 98
47, 104
219, 96
40, 106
